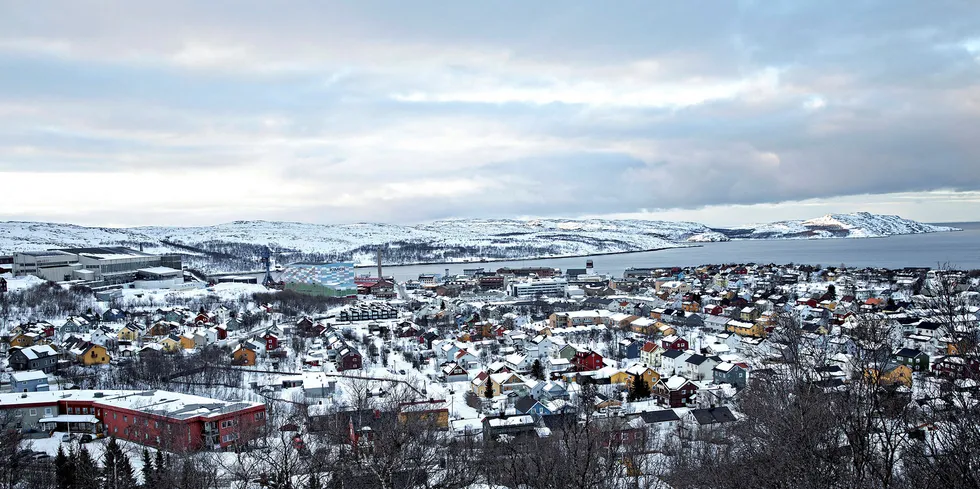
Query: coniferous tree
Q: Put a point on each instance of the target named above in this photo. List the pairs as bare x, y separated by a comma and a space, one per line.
159, 467
64, 470
639, 389
149, 476
117, 472
109, 461
488, 391
86, 470
127, 475
537, 370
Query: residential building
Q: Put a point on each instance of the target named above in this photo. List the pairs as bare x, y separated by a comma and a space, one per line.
39, 357
29, 381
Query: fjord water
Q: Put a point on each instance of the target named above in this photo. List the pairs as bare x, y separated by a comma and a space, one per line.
958, 249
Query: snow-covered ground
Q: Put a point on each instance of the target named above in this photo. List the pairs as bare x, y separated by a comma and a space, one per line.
20, 283
224, 292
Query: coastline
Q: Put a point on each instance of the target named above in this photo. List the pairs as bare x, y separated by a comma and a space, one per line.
546, 257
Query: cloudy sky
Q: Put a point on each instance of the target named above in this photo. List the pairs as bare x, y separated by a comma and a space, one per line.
190, 112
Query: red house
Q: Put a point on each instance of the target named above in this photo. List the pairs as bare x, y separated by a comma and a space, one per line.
675, 392
204, 318
348, 359
587, 360
674, 343
807, 302
271, 342
714, 310
222, 331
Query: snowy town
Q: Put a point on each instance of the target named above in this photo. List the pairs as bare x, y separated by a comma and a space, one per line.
315, 375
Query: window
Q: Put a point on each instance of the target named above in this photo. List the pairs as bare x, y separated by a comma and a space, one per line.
260, 415
33, 412
125, 419
47, 411
113, 415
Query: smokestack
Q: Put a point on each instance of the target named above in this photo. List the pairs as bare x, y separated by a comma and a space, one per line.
379, 265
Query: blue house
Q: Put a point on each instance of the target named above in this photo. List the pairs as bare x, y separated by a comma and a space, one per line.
29, 381
114, 315
630, 348
731, 373
528, 405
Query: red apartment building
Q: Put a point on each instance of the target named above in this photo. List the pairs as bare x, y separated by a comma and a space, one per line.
167, 420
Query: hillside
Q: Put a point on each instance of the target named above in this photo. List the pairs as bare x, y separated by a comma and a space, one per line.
239, 244
855, 225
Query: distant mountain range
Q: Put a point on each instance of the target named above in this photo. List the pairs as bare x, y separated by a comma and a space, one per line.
238, 245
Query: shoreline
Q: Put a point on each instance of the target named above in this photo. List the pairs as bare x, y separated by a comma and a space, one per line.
550, 257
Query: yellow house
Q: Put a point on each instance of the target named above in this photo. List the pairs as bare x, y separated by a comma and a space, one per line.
749, 313
691, 306
500, 383
620, 377
94, 355
23, 340
893, 373
186, 342
171, 343
742, 328
434, 412
130, 332
243, 356
666, 329
649, 375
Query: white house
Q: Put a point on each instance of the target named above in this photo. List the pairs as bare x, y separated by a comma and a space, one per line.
672, 362
651, 354
517, 362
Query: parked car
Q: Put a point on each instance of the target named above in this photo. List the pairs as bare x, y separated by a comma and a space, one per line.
86, 438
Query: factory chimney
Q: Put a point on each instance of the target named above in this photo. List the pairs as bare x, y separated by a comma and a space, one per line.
379, 265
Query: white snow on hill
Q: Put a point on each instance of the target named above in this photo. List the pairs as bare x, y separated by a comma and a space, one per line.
854, 225
472, 239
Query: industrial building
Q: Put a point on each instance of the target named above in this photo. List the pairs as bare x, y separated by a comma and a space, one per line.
96, 266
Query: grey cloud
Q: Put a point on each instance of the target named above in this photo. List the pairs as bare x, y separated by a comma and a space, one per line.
313, 98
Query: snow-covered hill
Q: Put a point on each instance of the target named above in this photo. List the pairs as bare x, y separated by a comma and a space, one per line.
238, 244
854, 225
